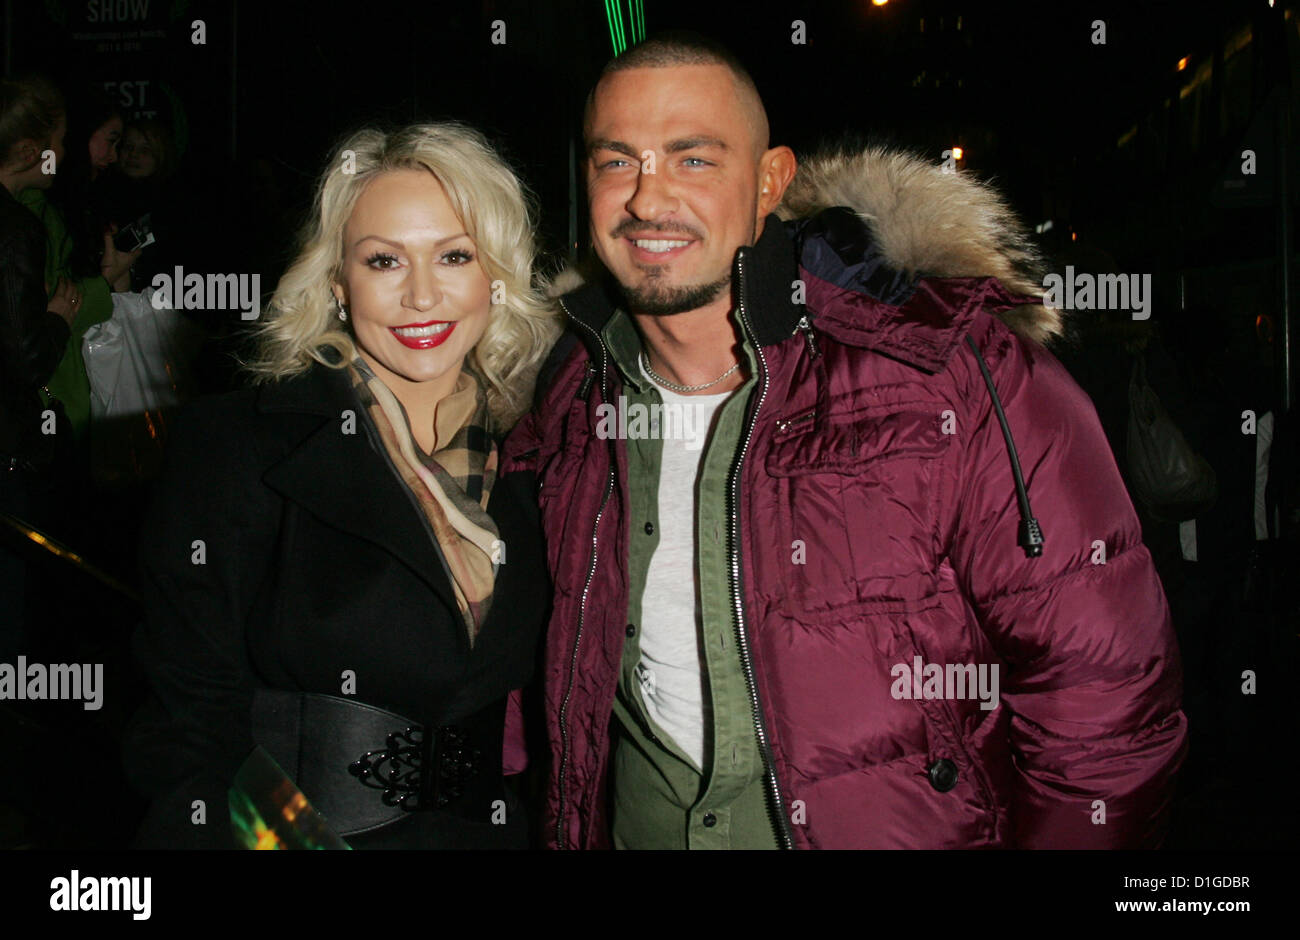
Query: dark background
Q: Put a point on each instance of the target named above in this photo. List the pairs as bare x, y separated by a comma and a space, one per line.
1130, 153
1111, 141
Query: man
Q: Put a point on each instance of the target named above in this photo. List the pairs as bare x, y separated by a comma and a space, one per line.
836, 623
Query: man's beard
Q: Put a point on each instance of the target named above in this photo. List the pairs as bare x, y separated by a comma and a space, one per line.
659, 300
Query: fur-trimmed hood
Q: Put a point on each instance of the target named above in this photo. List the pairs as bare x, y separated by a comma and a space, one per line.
929, 222
924, 221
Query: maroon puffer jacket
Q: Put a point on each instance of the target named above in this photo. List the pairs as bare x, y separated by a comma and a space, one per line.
875, 529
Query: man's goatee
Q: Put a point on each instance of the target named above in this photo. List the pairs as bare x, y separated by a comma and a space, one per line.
665, 301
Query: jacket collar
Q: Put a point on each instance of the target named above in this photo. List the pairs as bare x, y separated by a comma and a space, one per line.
851, 288
338, 474
861, 298
762, 275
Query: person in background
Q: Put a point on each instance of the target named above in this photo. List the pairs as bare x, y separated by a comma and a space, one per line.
146, 152
79, 248
34, 329
142, 184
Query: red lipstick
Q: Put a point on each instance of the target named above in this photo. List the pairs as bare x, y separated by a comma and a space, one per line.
425, 340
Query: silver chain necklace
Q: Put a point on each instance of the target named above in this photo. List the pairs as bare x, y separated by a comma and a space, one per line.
673, 386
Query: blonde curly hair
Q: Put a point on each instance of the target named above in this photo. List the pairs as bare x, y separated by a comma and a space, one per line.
301, 326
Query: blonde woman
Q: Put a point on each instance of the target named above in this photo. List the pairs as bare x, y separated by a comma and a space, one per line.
336, 575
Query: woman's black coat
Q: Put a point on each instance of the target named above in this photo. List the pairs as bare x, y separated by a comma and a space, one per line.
281, 551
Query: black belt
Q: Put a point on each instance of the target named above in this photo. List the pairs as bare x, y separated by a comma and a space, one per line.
363, 767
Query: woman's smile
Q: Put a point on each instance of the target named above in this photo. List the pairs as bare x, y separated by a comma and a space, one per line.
424, 335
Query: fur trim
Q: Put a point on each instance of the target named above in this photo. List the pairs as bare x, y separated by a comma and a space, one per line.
929, 222
568, 279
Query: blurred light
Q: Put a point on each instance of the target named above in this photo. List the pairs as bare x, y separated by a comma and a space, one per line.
881, 3
1043, 227
1074, 236
957, 153
1182, 63
1264, 328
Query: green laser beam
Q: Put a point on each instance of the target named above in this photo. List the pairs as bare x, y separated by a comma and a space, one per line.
609, 21
618, 23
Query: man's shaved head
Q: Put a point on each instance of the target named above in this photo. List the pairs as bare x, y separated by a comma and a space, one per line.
679, 172
686, 48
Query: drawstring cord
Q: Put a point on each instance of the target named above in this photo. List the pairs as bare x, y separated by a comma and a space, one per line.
1030, 536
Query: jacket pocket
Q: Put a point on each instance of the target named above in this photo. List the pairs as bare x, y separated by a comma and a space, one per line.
950, 736
851, 442
854, 510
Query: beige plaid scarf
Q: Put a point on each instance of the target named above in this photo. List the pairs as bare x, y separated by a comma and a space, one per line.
452, 485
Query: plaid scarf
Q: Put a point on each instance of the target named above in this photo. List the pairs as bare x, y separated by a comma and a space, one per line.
452, 485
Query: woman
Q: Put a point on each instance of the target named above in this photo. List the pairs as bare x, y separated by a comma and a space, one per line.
332, 560
79, 247
146, 151
34, 327
143, 184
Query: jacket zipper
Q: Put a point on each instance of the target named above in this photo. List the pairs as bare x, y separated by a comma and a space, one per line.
806, 417
585, 388
760, 727
809, 337
582, 609
786, 424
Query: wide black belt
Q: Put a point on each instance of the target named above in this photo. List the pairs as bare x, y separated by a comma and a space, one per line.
363, 767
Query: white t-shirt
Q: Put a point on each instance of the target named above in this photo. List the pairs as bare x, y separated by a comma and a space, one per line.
672, 668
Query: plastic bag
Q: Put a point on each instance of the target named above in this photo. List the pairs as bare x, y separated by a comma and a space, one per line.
138, 365
1173, 481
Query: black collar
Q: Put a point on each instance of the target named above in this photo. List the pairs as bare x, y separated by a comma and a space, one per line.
342, 479
763, 278
768, 283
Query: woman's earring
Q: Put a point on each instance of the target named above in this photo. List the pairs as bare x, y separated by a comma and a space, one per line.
343, 314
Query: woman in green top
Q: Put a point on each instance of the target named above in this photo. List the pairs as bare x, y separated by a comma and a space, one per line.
90, 150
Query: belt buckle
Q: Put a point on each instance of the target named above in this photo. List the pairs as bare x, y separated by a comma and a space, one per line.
395, 768
417, 771
455, 763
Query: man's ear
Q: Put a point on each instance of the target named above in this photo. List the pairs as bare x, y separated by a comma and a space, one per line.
776, 168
